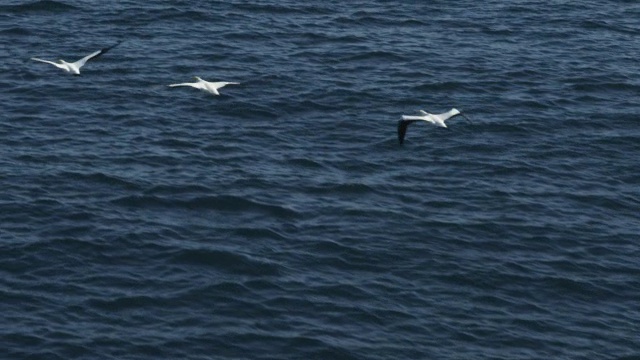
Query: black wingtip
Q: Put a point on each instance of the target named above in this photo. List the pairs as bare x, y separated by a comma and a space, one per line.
402, 130
114, 45
110, 47
466, 118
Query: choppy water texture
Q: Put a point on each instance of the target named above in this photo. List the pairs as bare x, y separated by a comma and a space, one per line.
282, 219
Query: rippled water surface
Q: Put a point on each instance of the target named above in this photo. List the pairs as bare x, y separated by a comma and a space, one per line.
282, 219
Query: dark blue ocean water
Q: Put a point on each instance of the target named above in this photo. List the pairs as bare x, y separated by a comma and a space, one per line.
282, 219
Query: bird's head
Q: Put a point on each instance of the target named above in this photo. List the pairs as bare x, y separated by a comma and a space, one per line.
197, 78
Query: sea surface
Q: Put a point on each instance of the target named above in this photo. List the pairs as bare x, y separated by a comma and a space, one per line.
283, 219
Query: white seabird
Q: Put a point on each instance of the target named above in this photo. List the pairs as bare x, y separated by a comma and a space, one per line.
210, 87
74, 67
436, 119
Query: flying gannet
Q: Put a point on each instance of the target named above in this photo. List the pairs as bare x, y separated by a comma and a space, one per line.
210, 87
74, 67
436, 119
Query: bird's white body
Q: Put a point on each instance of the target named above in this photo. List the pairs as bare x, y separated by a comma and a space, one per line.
436, 119
210, 87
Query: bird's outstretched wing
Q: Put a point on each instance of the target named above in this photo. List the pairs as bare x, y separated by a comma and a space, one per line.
94, 55
219, 84
415, 117
195, 85
48, 62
